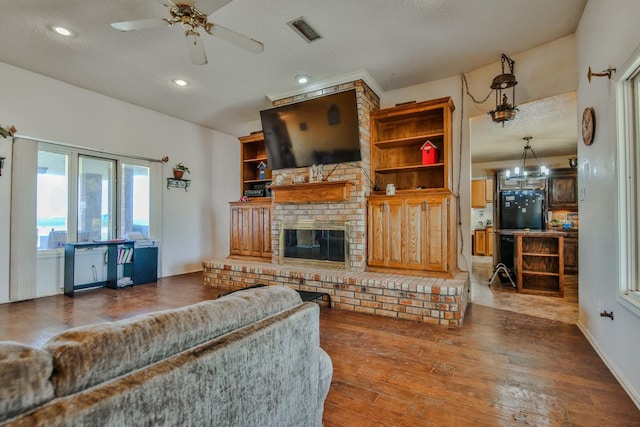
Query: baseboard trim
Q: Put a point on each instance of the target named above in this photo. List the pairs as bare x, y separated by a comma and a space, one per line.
631, 392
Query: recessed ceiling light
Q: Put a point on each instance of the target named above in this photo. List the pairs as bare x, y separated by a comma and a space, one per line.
180, 82
62, 31
302, 79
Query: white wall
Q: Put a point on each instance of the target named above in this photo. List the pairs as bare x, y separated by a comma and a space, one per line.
47, 109
541, 72
607, 35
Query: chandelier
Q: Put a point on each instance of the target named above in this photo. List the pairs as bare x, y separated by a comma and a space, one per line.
504, 110
520, 173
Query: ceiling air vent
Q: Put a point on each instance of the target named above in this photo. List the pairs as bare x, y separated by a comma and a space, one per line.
306, 31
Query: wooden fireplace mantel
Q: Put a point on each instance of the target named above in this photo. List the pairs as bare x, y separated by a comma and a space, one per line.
312, 192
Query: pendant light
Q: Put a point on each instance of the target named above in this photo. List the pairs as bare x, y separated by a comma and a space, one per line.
504, 110
520, 173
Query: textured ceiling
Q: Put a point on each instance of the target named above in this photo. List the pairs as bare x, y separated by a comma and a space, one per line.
399, 43
551, 122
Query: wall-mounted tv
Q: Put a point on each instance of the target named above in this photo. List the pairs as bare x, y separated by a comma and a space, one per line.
321, 130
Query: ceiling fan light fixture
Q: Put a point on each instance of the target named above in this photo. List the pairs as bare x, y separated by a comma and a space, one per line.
62, 31
180, 82
302, 79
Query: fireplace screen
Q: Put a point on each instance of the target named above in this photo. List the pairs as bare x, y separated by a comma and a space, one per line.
315, 243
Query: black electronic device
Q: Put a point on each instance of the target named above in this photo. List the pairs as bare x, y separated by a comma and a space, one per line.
254, 192
322, 130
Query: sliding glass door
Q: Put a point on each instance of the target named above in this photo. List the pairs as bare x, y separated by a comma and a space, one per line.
96, 199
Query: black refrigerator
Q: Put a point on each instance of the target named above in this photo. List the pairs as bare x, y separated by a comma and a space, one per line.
519, 209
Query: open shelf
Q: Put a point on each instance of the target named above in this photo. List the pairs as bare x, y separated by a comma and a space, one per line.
410, 168
412, 140
540, 264
252, 152
397, 136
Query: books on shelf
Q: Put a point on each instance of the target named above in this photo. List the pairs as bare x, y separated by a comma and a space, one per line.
125, 255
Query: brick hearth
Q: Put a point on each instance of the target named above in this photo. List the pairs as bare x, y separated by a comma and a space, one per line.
424, 299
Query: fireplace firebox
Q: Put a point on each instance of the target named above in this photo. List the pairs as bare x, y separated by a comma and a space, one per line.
310, 243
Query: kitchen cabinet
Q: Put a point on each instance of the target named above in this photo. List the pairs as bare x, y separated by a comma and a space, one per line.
488, 190
481, 192
571, 252
483, 241
563, 189
540, 263
489, 241
478, 193
480, 243
526, 184
251, 229
411, 232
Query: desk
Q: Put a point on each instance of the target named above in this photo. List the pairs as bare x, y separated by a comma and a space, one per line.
113, 249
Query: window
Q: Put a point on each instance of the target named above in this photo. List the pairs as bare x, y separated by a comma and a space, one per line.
84, 196
627, 93
52, 216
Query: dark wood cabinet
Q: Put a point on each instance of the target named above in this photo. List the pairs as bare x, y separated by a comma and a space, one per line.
563, 189
571, 253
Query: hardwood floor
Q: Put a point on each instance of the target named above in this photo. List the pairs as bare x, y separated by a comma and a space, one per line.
500, 369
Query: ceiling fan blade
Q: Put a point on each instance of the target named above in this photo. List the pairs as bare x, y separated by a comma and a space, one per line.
172, 3
209, 6
196, 48
142, 24
236, 38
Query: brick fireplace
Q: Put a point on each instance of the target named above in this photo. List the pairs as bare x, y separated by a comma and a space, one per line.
352, 210
299, 211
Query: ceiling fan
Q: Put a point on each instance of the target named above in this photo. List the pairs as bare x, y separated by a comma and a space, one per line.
185, 12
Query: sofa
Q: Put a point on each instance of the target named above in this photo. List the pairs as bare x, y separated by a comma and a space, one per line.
250, 358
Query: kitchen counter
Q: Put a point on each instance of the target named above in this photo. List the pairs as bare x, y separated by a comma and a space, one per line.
534, 232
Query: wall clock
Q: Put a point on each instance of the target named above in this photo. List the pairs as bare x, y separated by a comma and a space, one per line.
588, 125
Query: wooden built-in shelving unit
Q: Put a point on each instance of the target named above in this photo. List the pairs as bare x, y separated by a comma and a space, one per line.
540, 263
252, 153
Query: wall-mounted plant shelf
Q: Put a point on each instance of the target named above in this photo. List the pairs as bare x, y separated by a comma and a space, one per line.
178, 183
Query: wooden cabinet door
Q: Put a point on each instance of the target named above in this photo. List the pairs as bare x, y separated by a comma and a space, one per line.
265, 234
415, 233
385, 232
478, 199
488, 191
563, 192
255, 237
376, 233
480, 244
394, 235
437, 225
489, 244
246, 231
236, 231
571, 255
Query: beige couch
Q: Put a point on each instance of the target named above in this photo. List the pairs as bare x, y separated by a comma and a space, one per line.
251, 358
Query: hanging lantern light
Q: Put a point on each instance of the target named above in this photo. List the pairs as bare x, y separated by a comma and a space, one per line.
504, 110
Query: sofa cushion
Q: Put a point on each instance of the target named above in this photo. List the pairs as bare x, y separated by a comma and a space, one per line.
24, 373
86, 356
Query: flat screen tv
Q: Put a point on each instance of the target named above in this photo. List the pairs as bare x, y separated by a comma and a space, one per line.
321, 130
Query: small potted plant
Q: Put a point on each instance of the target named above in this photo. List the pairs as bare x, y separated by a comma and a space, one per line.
179, 170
